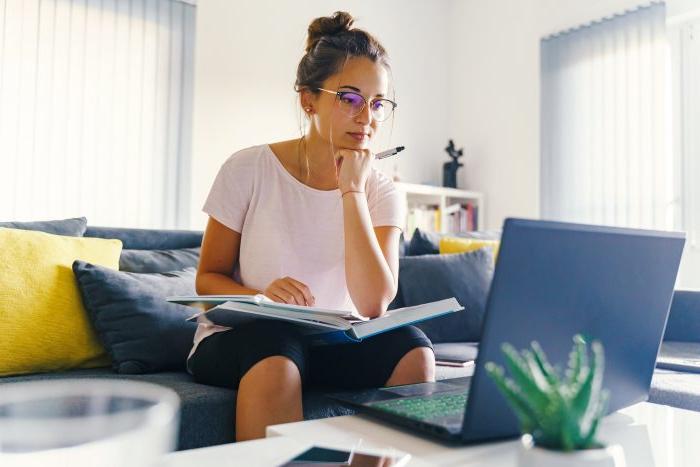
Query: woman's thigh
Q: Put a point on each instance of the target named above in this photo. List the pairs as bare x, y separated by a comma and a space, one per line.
367, 364
223, 358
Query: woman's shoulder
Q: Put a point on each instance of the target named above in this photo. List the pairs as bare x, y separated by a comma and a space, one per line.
251, 154
244, 160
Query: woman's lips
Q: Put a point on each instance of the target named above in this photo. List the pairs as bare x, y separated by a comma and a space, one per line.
359, 136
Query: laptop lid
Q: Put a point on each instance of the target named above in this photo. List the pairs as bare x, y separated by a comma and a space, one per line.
553, 280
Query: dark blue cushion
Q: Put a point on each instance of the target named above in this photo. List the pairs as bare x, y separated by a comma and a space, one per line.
465, 276
149, 239
423, 243
69, 227
684, 318
147, 261
141, 331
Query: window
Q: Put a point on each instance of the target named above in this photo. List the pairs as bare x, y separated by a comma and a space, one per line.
684, 37
605, 140
95, 110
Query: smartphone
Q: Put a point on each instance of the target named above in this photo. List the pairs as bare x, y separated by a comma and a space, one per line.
324, 457
321, 457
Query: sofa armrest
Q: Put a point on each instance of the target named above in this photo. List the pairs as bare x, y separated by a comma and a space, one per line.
684, 318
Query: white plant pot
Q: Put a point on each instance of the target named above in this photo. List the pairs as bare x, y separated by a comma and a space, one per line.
530, 455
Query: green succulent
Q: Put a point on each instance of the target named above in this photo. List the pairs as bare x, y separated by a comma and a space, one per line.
560, 412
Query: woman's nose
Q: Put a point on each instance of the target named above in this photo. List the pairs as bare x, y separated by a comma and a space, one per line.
365, 115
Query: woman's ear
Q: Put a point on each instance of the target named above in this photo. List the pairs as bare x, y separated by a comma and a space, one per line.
307, 101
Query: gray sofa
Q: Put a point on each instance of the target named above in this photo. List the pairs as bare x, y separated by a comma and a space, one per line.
208, 413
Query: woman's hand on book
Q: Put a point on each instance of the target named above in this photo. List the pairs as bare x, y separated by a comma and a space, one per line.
291, 291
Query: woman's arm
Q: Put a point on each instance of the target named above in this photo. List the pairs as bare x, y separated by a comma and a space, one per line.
371, 258
218, 257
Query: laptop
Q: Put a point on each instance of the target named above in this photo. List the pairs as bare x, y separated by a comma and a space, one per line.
552, 280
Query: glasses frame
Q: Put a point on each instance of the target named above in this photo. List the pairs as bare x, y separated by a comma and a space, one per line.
340, 94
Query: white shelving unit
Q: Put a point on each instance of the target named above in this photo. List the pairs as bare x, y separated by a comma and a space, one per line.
416, 194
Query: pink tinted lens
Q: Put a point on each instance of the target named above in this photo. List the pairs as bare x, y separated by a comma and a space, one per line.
353, 101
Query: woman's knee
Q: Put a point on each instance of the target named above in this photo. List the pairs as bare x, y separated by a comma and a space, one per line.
274, 375
422, 359
416, 366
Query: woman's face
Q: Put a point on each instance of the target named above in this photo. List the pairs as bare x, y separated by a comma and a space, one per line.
331, 117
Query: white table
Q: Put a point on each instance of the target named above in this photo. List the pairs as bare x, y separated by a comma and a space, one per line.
651, 435
263, 452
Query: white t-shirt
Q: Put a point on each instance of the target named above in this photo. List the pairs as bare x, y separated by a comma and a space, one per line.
288, 228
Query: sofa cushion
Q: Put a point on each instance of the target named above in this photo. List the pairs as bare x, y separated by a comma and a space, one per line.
684, 318
465, 276
69, 227
456, 350
428, 243
149, 239
423, 243
676, 389
43, 323
147, 261
450, 245
142, 332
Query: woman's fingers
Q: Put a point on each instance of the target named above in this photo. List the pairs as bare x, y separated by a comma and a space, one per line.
293, 294
290, 290
304, 289
274, 297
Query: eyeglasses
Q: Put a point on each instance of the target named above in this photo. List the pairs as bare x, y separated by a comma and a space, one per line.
352, 103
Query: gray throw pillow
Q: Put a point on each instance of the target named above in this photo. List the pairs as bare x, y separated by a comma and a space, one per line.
146, 261
69, 227
140, 330
465, 276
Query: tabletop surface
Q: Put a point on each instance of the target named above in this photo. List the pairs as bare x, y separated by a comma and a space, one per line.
650, 434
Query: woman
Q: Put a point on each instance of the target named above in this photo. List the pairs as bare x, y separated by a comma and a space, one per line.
309, 221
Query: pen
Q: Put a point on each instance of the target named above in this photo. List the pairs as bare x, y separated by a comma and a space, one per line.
389, 152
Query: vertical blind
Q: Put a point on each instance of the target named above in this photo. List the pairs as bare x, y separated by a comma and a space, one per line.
605, 110
685, 42
95, 110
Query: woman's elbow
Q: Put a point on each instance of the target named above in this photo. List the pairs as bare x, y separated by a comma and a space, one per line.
199, 280
375, 309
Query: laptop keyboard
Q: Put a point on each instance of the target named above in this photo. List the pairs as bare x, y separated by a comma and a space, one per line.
426, 408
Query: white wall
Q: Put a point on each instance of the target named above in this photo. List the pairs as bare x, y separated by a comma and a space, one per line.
495, 86
246, 55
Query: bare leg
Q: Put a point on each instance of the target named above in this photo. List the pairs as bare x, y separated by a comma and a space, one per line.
417, 366
268, 394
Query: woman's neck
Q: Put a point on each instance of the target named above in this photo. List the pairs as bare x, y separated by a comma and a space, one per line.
317, 155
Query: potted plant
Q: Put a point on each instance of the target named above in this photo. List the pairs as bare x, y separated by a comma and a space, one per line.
559, 414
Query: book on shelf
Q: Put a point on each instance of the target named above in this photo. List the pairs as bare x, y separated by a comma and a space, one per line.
325, 326
458, 217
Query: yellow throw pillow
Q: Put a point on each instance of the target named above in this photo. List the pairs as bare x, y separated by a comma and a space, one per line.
43, 325
465, 245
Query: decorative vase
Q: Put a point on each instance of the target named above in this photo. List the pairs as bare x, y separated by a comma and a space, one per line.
530, 455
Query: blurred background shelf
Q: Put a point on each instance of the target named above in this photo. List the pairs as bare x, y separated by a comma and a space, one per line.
441, 209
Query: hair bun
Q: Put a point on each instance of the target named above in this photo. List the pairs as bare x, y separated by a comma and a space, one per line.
337, 23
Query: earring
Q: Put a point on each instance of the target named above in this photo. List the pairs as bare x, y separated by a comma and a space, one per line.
308, 109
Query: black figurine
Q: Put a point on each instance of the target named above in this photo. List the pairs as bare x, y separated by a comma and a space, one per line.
449, 169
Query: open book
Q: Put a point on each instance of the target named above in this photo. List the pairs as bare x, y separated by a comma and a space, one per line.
326, 325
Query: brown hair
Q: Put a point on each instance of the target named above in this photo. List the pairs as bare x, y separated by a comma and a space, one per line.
331, 41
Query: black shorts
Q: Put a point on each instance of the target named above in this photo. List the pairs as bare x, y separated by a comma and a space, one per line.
222, 359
